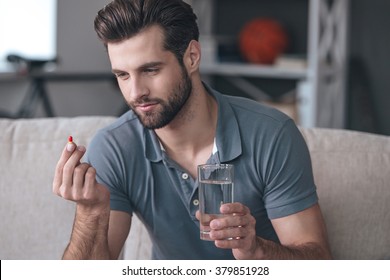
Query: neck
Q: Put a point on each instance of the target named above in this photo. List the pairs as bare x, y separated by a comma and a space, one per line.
189, 138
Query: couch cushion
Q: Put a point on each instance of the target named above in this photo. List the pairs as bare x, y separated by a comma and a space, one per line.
352, 173
35, 223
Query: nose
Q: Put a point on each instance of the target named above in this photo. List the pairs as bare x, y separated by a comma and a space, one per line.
135, 89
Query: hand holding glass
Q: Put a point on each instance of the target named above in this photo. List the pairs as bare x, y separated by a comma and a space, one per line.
216, 183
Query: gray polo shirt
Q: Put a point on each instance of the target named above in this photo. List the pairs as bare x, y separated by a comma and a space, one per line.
273, 175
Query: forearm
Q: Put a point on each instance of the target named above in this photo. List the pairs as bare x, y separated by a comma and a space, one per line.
270, 250
89, 238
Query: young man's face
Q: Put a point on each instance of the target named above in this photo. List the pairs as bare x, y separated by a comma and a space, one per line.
151, 79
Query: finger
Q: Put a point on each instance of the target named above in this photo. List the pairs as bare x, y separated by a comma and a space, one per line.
236, 207
70, 165
90, 183
65, 155
230, 243
78, 181
228, 221
229, 233
197, 214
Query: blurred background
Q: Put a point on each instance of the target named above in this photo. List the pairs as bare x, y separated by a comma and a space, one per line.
77, 81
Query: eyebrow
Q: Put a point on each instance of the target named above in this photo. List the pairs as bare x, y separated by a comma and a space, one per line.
141, 67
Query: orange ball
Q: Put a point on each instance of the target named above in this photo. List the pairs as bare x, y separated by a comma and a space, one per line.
262, 40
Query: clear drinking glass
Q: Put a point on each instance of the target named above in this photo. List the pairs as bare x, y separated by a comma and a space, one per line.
216, 183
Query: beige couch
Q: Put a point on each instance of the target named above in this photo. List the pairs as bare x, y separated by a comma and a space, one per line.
352, 172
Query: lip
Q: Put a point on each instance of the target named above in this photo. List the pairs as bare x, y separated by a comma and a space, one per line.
146, 107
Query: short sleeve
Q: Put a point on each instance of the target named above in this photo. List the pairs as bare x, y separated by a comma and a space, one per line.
289, 178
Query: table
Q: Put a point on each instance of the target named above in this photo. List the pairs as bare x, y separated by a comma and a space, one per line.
37, 91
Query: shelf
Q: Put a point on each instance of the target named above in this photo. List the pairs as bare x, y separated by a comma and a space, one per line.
250, 70
319, 69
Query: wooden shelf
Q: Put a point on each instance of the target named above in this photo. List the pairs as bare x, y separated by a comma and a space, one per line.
250, 70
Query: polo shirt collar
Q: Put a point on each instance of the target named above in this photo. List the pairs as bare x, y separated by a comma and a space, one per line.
153, 151
228, 139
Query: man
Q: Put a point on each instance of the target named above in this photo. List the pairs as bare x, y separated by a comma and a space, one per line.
145, 163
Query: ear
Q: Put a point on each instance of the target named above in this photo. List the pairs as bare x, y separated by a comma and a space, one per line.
192, 57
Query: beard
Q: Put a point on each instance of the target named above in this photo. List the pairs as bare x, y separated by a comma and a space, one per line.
167, 110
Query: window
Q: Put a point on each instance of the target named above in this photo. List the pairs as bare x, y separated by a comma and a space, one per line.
28, 28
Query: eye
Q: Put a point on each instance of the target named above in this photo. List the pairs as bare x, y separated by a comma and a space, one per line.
122, 75
151, 70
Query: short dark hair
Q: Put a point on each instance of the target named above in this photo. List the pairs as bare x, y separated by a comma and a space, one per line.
123, 19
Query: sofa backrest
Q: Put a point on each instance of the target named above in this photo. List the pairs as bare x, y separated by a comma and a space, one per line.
35, 223
352, 173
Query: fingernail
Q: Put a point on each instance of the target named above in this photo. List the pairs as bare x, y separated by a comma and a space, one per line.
81, 148
224, 208
70, 147
214, 224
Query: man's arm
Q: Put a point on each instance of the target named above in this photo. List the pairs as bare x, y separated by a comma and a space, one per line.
98, 233
93, 239
89, 239
302, 235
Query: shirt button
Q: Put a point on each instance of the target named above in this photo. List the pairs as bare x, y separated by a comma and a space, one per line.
195, 202
184, 176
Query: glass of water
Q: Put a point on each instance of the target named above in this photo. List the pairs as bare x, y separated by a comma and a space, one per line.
216, 183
